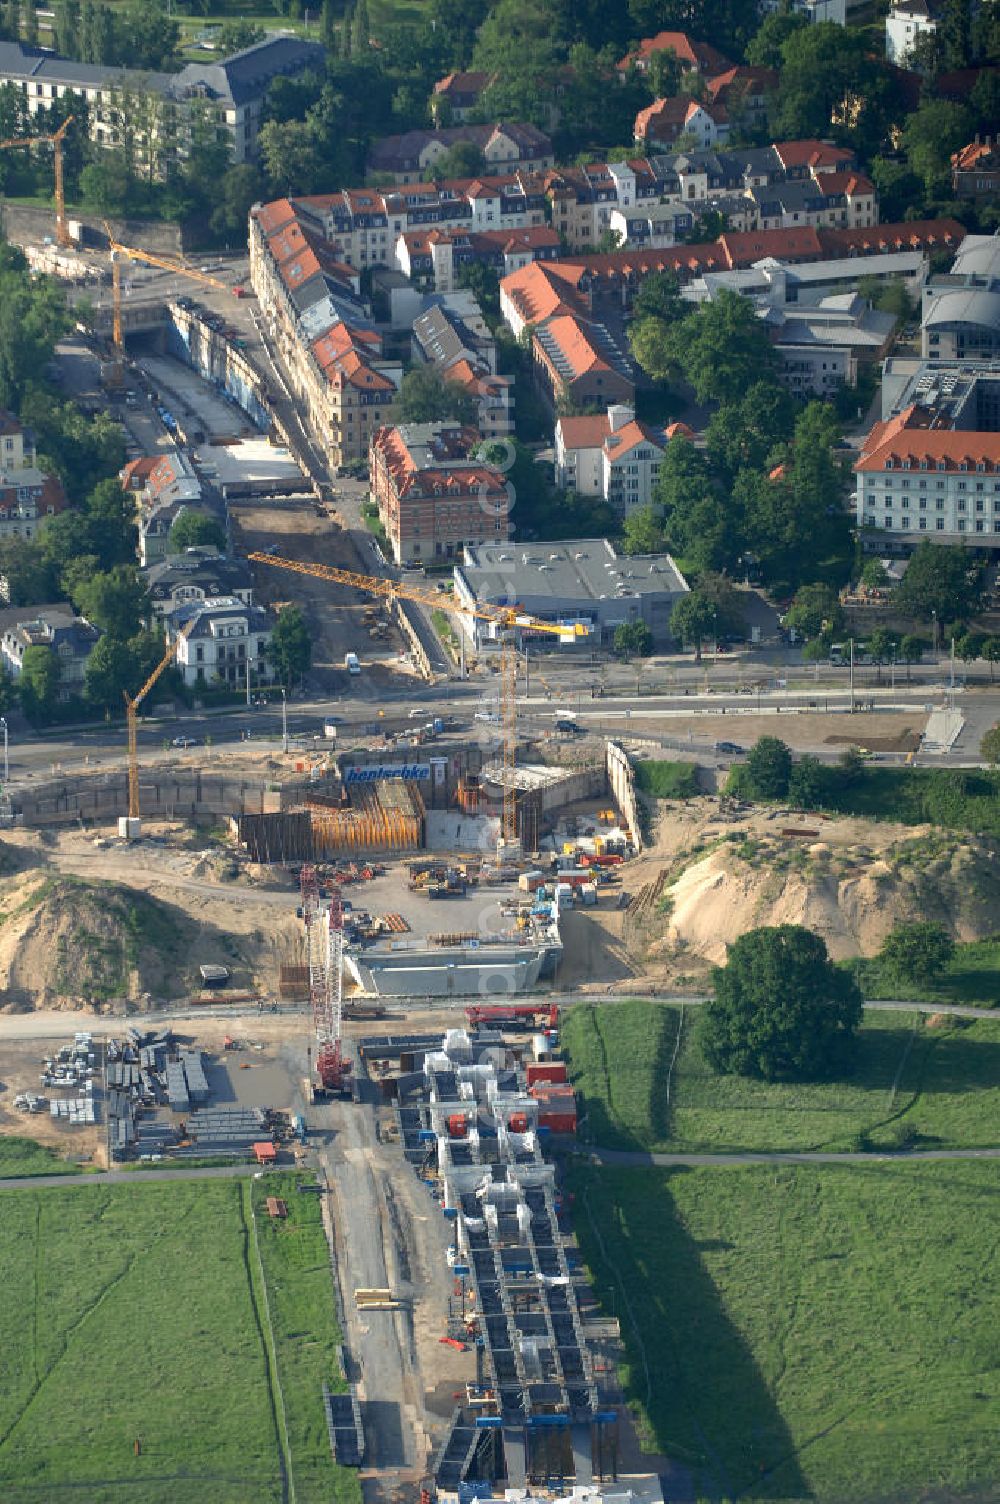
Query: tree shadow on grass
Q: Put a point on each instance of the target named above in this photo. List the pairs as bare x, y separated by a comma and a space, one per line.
690, 1370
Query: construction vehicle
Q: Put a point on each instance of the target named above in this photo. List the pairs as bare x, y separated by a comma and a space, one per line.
55, 140
506, 620
324, 924
115, 374
132, 704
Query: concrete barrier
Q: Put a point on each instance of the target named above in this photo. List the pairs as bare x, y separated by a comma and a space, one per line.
622, 783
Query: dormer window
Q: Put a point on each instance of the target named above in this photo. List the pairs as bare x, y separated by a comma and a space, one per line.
888, 465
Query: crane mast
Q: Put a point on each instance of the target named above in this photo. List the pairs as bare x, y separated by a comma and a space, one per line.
324, 924
505, 619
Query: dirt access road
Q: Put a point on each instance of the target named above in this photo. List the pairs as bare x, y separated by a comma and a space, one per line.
389, 1234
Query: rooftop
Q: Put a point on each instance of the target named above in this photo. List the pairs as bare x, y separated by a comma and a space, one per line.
579, 570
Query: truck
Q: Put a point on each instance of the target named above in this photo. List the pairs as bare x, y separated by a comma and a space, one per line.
352, 663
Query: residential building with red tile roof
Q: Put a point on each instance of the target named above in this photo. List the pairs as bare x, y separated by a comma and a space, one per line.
744, 92
916, 475
457, 94
975, 170
332, 351
434, 259
662, 122
578, 360
434, 496
412, 157
693, 56
611, 455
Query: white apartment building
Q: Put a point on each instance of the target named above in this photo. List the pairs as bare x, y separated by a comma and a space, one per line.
229, 642
610, 455
915, 480
907, 20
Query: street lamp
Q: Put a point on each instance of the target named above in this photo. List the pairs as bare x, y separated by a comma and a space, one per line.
284, 721
6, 760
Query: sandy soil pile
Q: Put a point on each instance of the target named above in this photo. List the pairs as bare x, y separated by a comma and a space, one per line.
852, 894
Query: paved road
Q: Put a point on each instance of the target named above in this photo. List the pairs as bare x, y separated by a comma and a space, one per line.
636, 1158
56, 1024
127, 1177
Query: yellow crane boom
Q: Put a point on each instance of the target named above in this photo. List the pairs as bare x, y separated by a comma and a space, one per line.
55, 140
505, 618
132, 703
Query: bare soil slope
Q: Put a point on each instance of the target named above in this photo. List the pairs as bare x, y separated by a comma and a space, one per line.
711, 876
852, 895
64, 941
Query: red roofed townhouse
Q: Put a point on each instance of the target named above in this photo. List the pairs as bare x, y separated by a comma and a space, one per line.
975, 170
457, 95
610, 455
694, 57
578, 361
434, 496
662, 122
744, 93
916, 479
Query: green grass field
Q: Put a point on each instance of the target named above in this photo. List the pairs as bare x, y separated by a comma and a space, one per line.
962, 799
23, 1156
666, 780
810, 1333
971, 977
136, 1312
642, 1088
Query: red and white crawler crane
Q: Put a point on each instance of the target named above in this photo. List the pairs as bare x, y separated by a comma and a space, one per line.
324, 922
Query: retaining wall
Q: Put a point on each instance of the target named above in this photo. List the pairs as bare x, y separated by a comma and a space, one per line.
622, 782
102, 798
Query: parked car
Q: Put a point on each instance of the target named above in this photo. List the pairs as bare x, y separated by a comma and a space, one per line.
733, 749
184, 741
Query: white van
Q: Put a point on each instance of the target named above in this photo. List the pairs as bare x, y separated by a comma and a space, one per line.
352, 663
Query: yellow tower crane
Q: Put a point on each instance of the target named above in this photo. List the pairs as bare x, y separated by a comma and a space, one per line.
506, 619
56, 142
132, 704
146, 258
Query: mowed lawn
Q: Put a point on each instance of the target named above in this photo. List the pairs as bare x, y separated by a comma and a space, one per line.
25, 1156
130, 1314
642, 1087
822, 1333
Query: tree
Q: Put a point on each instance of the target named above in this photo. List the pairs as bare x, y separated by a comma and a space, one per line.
240, 189
107, 182
196, 530
696, 523
873, 575
659, 297
32, 578
291, 645
721, 348
463, 160
115, 600
917, 952
429, 397
830, 83
781, 1009
111, 525
693, 618
815, 609
881, 647
764, 51
642, 531
237, 33
110, 671
989, 747
941, 581
808, 783
39, 682
969, 646
745, 433
991, 652
935, 130
911, 650
633, 639
768, 768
